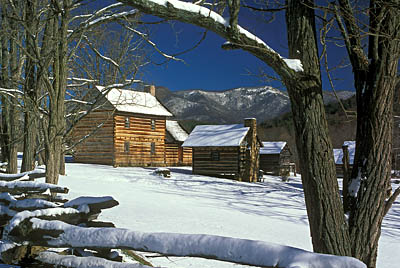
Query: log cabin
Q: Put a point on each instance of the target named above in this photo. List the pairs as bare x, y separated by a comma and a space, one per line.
128, 130
222, 150
275, 158
175, 154
338, 156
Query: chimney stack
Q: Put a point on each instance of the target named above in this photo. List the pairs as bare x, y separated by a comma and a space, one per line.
251, 163
151, 89
251, 123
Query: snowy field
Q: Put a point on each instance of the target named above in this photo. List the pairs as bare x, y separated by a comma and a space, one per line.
273, 211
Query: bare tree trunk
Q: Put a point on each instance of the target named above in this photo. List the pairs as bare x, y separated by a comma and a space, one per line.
8, 73
55, 129
62, 163
372, 164
31, 91
375, 77
324, 208
30, 133
13, 116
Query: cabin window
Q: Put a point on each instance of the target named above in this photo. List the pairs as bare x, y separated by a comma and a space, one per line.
214, 156
153, 124
127, 122
153, 148
126, 146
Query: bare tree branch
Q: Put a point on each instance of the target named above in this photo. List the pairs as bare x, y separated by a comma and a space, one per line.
391, 200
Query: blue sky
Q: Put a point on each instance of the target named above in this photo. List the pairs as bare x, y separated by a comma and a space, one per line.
206, 67
209, 67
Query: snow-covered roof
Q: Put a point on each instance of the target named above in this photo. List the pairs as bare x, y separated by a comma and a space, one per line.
216, 135
135, 102
272, 147
176, 131
338, 153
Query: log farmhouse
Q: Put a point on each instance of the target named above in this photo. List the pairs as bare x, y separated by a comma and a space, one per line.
275, 158
223, 150
130, 129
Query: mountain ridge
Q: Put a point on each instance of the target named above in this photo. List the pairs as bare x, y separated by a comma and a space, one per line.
231, 105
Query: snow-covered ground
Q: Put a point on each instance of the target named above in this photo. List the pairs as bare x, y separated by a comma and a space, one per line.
273, 211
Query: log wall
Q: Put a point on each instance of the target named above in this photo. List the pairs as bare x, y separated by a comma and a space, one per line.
98, 148
228, 164
140, 137
187, 156
339, 170
176, 155
274, 163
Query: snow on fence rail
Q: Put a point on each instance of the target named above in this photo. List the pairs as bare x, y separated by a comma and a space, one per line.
34, 174
31, 217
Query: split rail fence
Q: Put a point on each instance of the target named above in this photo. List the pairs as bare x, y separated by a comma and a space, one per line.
36, 222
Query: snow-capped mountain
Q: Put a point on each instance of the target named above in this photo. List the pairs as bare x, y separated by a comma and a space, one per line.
227, 106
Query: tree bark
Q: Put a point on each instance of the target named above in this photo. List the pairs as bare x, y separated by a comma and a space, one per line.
31, 87
62, 163
55, 128
9, 72
324, 208
375, 77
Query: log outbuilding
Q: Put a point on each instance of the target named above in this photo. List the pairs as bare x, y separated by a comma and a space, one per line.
175, 154
128, 130
275, 158
225, 150
338, 154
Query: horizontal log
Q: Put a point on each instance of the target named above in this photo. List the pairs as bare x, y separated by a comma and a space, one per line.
94, 161
139, 120
6, 198
140, 136
71, 261
67, 215
34, 174
11, 253
20, 187
48, 197
98, 224
219, 149
6, 213
107, 254
216, 163
221, 152
105, 155
31, 204
221, 160
58, 234
123, 114
93, 203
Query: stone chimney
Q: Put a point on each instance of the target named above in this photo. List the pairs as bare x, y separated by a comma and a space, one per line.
150, 89
251, 123
252, 151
